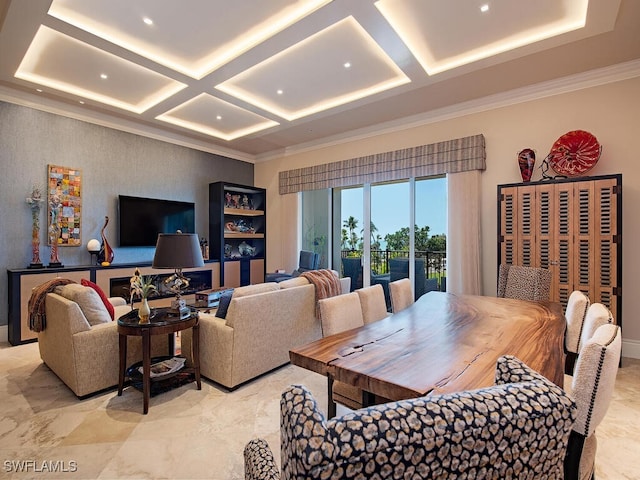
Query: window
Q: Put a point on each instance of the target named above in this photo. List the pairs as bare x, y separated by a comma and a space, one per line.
388, 208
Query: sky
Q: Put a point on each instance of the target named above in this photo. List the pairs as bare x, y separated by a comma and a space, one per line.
390, 206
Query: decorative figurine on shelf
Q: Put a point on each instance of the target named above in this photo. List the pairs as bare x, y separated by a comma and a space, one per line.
227, 250
34, 202
54, 230
105, 256
227, 200
245, 202
246, 250
235, 201
526, 161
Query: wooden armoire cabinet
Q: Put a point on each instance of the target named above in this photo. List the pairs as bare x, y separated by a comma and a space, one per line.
572, 227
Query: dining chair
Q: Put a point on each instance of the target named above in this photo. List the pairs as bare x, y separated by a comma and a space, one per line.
401, 293
596, 316
372, 302
575, 314
524, 283
592, 388
339, 314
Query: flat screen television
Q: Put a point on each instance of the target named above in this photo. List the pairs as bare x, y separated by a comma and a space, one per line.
142, 219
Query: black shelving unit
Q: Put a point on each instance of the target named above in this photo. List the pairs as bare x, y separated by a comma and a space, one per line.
237, 232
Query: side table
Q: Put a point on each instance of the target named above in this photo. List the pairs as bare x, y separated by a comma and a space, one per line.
161, 322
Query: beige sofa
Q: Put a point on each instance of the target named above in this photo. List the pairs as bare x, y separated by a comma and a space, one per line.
86, 357
262, 324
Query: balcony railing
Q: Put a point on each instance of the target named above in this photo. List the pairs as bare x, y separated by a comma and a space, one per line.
435, 262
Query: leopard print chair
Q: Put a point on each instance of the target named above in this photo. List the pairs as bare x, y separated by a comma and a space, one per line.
524, 283
518, 428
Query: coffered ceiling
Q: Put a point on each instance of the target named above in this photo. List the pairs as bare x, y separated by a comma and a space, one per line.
252, 79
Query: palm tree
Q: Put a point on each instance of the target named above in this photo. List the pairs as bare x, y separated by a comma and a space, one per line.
375, 237
344, 239
351, 224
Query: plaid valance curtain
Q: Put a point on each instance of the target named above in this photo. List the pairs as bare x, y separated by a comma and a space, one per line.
451, 156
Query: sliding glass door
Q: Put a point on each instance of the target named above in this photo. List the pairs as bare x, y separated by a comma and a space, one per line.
381, 232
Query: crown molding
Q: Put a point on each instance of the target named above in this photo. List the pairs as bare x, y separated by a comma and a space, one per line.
78, 113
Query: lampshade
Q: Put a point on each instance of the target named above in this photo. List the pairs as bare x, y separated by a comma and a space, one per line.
177, 250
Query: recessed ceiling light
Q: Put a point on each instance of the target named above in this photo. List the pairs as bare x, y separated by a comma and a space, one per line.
104, 76
81, 102
280, 92
484, 8
219, 117
347, 65
39, 90
147, 20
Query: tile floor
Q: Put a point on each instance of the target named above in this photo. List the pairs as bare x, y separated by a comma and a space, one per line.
190, 434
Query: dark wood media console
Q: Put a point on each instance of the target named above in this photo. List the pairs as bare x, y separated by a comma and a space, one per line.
22, 281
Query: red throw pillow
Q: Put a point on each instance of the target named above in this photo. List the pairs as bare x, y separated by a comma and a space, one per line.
103, 297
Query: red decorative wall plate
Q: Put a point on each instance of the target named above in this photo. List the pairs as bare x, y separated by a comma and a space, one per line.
574, 153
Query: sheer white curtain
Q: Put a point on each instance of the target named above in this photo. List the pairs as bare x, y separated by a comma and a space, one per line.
464, 275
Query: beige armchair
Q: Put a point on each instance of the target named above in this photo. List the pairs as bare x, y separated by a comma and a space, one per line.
86, 357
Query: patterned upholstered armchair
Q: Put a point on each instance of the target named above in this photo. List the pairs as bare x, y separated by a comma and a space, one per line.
519, 428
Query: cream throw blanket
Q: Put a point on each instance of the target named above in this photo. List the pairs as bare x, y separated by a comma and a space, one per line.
326, 283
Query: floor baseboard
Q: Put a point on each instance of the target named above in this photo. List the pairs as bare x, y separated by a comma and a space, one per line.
631, 348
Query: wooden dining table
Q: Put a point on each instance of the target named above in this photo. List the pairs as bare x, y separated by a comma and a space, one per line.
442, 343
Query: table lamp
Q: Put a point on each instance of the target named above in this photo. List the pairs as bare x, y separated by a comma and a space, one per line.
93, 247
178, 250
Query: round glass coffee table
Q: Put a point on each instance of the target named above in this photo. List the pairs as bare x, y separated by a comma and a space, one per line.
162, 321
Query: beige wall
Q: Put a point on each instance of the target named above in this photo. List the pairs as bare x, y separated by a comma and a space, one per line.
611, 112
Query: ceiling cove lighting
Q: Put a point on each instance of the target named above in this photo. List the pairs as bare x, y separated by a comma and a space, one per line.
323, 42
272, 21
408, 29
52, 51
194, 114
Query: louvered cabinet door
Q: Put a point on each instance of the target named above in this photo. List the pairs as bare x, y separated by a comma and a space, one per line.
508, 200
562, 240
545, 229
526, 225
606, 242
584, 249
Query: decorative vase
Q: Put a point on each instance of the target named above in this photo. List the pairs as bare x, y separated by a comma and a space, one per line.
144, 312
106, 252
526, 161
